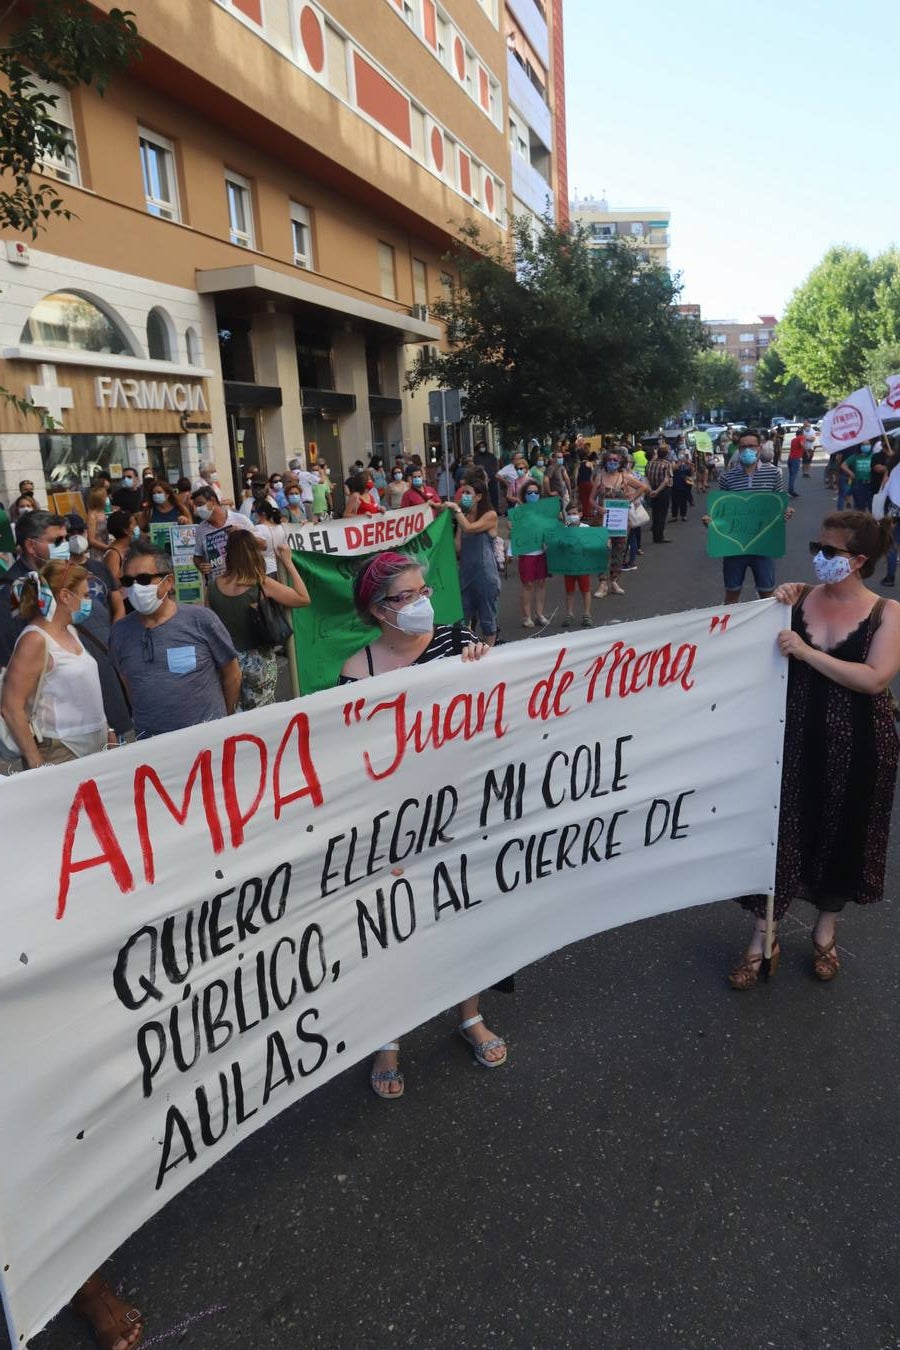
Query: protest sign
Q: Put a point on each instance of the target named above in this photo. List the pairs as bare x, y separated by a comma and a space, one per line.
529, 524
178, 542
851, 422
615, 517
746, 522
230, 915
702, 442
329, 630
354, 536
575, 550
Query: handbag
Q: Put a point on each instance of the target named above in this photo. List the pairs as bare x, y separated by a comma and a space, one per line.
638, 515
269, 626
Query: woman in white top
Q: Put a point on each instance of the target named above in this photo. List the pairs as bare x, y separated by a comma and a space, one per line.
52, 700
268, 523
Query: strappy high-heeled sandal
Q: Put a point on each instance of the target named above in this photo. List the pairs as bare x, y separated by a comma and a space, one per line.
825, 960
380, 1078
746, 973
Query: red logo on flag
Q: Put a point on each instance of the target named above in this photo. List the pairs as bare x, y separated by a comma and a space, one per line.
893, 394
846, 423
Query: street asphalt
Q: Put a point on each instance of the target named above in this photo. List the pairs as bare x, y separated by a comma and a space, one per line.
662, 1163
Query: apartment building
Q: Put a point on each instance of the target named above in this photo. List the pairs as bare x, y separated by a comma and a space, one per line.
746, 342
647, 230
263, 206
535, 70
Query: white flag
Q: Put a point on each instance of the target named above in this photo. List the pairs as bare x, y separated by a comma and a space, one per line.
889, 407
853, 421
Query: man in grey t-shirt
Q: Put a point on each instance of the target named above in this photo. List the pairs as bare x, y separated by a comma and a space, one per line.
178, 661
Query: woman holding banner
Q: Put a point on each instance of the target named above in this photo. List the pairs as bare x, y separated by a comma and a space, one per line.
840, 750
389, 592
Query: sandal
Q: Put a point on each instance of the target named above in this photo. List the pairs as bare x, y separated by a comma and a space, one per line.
825, 961
387, 1076
110, 1319
746, 973
480, 1048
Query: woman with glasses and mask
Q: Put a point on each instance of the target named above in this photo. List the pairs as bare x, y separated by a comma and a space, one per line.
840, 749
390, 594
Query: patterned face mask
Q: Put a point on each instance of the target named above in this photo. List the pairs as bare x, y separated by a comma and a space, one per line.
830, 571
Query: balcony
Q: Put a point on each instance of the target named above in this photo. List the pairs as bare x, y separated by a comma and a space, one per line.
530, 187
528, 101
528, 16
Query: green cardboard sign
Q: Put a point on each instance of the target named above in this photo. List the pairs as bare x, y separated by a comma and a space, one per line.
529, 523
576, 550
329, 630
746, 522
615, 517
703, 442
178, 542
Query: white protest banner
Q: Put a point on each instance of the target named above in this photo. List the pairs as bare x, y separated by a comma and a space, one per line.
218, 921
889, 407
852, 421
353, 535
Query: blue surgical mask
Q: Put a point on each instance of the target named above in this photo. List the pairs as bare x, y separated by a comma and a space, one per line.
573, 520
203, 512
159, 498
135, 531
748, 457
612, 465
83, 611
467, 501
417, 481
59, 552
532, 496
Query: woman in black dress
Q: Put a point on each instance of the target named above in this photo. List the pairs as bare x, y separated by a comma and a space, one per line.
840, 748
389, 592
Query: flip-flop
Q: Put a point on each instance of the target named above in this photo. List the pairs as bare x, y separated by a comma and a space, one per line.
480, 1048
110, 1318
387, 1076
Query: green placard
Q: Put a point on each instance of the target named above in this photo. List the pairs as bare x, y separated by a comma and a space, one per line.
615, 517
576, 550
746, 522
329, 630
178, 542
529, 523
703, 442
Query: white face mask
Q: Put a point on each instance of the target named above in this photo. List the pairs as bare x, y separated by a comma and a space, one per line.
77, 544
417, 618
831, 571
203, 512
145, 599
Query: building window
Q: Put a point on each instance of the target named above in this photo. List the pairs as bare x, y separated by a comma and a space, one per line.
446, 284
74, 323
386, 274
61, 163
158, 169
301, 235
159, 341
746, 337
192, 347
240, 210
420, 282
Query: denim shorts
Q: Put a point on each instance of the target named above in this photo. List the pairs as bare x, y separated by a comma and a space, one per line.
763, 569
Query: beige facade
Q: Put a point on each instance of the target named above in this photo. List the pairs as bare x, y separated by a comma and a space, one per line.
647, 230
262, 209
746, 342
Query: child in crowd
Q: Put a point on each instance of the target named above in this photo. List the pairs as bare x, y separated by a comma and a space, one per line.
572, 518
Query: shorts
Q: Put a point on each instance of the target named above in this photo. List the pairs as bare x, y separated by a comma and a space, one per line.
479, 603
763, 569
533, 567
584, 584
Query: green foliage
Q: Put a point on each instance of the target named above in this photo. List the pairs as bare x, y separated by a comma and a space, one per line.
66, 42
716, 380
848, 306
784, 394
545, 334
883, 361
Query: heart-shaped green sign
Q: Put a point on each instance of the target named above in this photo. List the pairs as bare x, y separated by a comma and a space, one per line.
746, 522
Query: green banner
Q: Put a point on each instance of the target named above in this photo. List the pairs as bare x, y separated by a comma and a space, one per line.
529, 523
329, 630
576, 550
702, 442
746, 522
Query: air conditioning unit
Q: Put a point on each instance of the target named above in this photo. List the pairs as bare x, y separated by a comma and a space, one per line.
420, 312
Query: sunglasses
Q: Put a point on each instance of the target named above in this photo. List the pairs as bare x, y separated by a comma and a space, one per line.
142, 579
827, 550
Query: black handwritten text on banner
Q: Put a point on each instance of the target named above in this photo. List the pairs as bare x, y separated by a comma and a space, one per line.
219, 920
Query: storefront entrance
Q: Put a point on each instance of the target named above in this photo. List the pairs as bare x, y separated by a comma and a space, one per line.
164, 458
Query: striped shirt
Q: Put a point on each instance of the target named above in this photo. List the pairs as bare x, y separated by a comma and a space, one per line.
448, 640
764, 478
659, 473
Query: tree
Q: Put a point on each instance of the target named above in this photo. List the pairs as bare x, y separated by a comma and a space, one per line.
883, 361
716, 380
64, 42
847, 306
785, 394
544, 334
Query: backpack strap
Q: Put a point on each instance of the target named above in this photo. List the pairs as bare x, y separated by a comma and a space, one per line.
369, 662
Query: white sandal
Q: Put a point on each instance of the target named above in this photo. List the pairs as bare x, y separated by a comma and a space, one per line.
480, 1049
387, 1076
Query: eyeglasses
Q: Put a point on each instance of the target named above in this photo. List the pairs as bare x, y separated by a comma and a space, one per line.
142, 579
407, 597
827, 550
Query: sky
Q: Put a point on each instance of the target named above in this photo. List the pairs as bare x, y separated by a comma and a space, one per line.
769, 130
